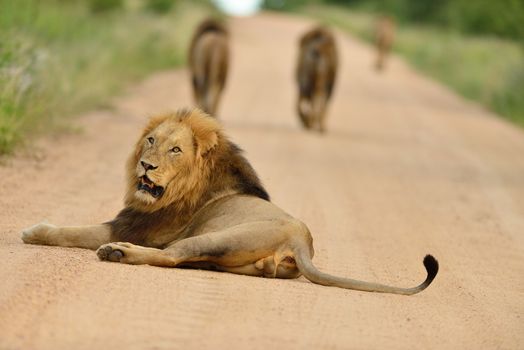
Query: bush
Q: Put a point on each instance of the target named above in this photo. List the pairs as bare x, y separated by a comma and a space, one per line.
99, 6
504, 18
159, 6
284, 5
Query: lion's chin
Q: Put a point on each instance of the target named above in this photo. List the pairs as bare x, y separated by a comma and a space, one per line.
145, 197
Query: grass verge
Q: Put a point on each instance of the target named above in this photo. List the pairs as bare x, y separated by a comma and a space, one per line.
59, 58
489, 70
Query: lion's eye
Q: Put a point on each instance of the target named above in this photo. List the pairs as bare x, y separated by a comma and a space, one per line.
176, 150
151, 140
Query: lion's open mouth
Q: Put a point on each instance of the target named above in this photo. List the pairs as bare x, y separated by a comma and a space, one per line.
149, 186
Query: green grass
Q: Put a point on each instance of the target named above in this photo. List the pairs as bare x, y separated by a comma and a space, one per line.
486, 69
58, 58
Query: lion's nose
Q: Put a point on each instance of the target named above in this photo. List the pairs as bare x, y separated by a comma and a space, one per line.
148, 166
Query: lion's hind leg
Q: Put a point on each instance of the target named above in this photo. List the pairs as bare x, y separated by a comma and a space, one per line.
271, 267
304, 112
265, 267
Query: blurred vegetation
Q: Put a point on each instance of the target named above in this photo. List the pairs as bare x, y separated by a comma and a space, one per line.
475, 47
159, 6
62, 57
105, 5
504, 18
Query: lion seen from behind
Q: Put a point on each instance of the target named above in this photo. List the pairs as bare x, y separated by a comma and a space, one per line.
208, 63
315, 75
384, 37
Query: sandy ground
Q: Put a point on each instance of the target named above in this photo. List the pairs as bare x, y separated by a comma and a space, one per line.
407, 168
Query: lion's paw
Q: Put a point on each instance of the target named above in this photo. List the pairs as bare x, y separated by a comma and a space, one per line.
37, 234
110, 252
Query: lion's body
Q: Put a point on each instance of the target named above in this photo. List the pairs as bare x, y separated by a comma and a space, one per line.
384, 37
193, 200
208, 62
227, 218
316, 72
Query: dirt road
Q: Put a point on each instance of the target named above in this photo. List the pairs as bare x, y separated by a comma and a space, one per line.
407, 168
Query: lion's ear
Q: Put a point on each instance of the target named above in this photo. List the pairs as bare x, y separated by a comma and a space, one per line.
205, 130
206, 141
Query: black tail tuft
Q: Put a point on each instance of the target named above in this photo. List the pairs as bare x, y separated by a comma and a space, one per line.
431, 265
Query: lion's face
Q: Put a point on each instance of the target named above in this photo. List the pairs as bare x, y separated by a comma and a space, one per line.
166, 151
168, 162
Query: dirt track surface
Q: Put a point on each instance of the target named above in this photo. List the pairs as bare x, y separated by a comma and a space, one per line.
407, 168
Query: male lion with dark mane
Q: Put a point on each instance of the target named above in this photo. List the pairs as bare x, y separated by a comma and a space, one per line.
208, 62
194, 201
316, 71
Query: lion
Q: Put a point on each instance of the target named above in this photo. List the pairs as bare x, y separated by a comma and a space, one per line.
384, 37
316, 71
193, 200
208, 63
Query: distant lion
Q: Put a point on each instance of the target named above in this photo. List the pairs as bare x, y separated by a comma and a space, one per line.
194, 201
316, 71
384, 37
208, 62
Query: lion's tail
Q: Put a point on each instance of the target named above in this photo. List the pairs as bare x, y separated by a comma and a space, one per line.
306, 267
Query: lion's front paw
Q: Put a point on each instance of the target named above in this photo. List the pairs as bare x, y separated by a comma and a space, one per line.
110, 252
126, 253
37, 234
